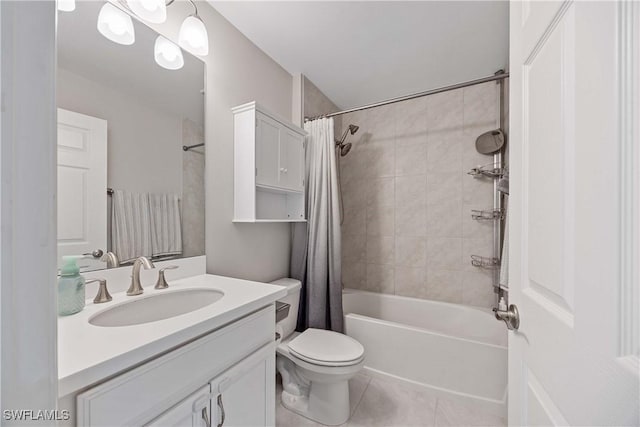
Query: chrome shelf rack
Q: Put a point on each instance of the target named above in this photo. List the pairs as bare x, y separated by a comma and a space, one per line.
494, 171
485, 262
488, 215
491, 171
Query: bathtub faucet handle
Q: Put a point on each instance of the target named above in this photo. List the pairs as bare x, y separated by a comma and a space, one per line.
510, 316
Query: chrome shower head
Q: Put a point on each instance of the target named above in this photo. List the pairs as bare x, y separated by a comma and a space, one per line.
345, 148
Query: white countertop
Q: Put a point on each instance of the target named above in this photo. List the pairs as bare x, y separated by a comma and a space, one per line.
88, 354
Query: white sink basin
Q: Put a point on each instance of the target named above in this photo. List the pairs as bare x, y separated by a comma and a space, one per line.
156, 307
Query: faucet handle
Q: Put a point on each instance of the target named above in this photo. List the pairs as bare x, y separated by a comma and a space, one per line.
162, 282
103, 293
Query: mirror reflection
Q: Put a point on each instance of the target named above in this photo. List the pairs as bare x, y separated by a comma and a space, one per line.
126, 186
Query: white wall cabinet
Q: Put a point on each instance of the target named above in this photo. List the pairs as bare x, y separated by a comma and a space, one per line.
225, 378
269, 165
292, 160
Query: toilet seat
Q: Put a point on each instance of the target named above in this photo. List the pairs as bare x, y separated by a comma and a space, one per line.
326, 348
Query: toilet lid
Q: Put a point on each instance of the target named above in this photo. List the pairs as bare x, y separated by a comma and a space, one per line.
326, 347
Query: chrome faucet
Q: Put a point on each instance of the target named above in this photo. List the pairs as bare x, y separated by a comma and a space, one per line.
111, 259
136, 286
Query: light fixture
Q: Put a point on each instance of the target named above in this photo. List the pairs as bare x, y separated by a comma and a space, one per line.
66, 5
150, 10
116, 25
167, 54
193, 34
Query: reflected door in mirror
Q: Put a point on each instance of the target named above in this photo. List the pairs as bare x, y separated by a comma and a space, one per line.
82, 186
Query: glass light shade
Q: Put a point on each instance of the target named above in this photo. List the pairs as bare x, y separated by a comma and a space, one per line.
66, 5
150, 10
193, 36
116, 25
167, 54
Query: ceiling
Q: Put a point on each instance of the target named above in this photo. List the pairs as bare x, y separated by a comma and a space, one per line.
82, 50
368, 51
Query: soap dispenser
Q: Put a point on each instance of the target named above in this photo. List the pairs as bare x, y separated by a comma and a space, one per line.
70, 287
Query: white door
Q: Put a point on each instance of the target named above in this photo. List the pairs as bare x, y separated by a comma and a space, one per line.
292, 168
267, 151
193, 411
573, 217
82, 186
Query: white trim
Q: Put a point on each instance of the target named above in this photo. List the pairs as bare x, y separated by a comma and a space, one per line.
629, 94
28, 206
1, 200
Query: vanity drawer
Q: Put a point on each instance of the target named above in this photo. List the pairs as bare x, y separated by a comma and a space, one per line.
143, 393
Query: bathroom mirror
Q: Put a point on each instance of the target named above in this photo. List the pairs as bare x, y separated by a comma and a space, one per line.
125, 184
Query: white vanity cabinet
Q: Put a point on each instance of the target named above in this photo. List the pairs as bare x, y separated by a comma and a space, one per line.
269, 164
238, 397
226, 377
194, 411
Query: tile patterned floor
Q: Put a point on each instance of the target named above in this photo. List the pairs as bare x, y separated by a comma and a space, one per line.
379, 403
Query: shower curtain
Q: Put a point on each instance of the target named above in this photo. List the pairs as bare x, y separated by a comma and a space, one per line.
316, 246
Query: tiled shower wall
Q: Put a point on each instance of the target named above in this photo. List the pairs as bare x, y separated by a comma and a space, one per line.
192, 190
407, 226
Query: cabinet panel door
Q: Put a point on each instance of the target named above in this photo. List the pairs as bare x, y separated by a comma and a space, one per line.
294, 167
246, 393
194, 411
267, 151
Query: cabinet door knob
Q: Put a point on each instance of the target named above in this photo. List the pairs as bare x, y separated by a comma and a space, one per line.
205, 417
222, 414
282, 170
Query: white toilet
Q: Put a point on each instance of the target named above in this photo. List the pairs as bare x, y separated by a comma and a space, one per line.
315, 365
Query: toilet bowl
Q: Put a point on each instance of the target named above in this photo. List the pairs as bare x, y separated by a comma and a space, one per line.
315, 365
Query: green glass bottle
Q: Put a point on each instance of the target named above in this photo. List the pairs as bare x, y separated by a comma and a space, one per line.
71, 298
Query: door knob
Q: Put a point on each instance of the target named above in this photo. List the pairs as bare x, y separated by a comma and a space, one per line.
96, 254
510, 316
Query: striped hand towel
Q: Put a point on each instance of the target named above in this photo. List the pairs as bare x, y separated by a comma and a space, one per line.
130, 225
166, 232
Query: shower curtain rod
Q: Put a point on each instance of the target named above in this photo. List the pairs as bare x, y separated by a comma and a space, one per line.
499, 75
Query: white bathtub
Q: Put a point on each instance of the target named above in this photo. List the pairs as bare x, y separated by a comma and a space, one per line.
450, 348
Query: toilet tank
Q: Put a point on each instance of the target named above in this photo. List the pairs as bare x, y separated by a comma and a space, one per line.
293, 286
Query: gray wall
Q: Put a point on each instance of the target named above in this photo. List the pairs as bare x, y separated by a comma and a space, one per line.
316, 103
144, 151
237, 72
408, 198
